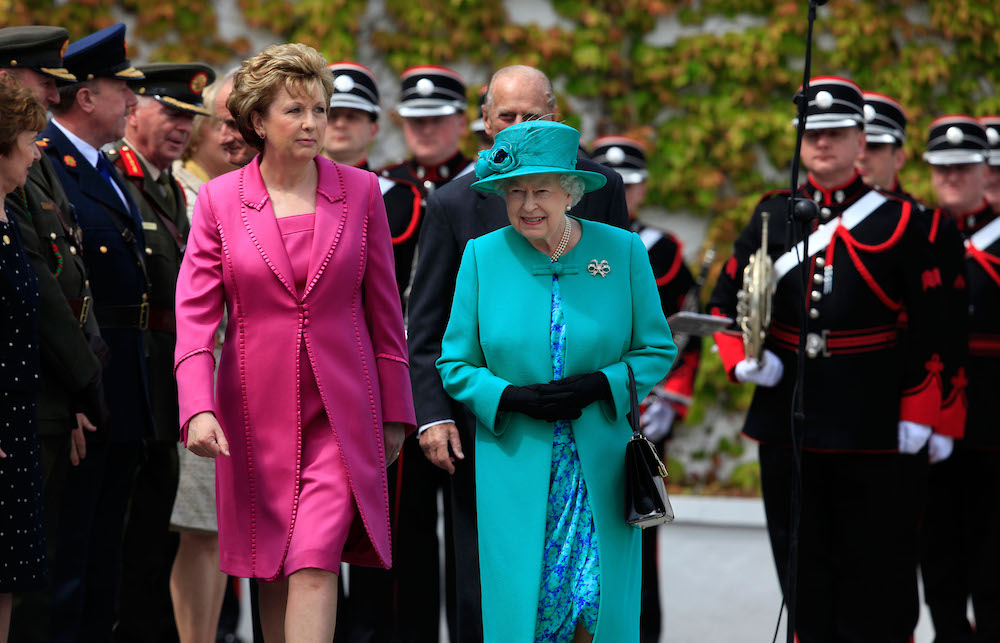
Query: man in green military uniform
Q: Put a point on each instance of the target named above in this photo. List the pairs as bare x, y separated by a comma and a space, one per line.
156, 131
70, 400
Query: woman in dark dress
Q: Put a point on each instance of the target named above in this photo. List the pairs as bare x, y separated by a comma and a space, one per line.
22, 541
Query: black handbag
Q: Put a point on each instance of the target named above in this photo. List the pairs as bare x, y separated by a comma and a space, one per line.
646, 501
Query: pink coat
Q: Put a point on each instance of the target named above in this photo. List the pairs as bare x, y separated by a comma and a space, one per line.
351, 322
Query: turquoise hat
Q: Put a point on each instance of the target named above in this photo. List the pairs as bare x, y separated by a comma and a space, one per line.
533, 147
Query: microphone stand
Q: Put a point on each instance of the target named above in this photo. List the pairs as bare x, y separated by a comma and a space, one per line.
801, 212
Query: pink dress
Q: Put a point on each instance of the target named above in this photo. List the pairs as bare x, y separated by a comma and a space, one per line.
326, 505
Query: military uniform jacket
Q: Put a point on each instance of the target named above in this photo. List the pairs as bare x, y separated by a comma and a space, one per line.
863, 372
113, 253
972, 405
165, 227
405, 187
948, 244
52, 242
674, 282
983, 367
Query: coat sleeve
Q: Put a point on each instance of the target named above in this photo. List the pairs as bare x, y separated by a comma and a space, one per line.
462, 364
433, 287
652, 350
199, 305
384, 317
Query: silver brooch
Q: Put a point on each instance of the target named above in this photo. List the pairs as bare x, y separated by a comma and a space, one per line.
599, 268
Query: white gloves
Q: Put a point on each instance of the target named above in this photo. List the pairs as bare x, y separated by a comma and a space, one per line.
657, 419
940, 447
768, 373
912, 436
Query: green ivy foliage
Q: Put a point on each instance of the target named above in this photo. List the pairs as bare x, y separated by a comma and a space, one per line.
714, 105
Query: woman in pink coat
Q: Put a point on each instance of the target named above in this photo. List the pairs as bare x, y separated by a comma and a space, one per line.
313, 396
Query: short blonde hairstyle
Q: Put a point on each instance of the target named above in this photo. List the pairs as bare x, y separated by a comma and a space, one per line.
293, 67
20, 112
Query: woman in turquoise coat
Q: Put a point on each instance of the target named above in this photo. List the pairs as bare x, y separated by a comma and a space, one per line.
547, 313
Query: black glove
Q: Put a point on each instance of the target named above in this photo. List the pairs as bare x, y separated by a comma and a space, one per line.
582, 390
90, 401
533, 401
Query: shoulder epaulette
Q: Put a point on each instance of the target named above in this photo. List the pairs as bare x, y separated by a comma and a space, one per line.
130, 162
774, 193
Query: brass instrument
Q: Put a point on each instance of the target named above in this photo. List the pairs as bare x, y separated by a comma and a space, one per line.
753, 302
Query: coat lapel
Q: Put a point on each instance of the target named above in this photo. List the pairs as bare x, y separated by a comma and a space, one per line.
331, 215
261, 225
90, 181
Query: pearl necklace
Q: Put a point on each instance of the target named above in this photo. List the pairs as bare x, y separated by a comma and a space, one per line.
561, 248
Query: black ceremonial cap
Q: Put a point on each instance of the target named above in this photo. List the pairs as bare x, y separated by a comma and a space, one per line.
992, 125
956, 139
177, 85
478, 125
37, 48
885, 120
833, 102
354, 87
430, 90
101, 55
623, 155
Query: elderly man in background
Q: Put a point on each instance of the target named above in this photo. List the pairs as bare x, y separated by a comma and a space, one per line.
89, 115
156, 132
456, 214
237, 151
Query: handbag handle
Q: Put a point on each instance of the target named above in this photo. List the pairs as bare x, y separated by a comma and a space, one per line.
633, 414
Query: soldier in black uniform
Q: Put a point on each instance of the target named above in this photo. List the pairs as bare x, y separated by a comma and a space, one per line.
992, 125
671, 398
156, 131
432, 110
872, 390
90, 114
352, 122
962, 524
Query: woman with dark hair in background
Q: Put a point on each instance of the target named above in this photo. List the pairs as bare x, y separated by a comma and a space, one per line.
22, 539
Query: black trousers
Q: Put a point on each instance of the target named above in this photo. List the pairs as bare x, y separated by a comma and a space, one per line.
145, 612
412, 586
857, 541
86, 569
649, 598
960, 555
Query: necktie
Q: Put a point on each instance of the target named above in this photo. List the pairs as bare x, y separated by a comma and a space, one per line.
105, 170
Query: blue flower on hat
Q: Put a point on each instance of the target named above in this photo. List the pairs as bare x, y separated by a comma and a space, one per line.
496, 161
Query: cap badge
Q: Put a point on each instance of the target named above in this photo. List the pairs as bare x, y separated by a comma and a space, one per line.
869, 113
198, 82
993, 135
343, 83
954, 135
824, 99
615, 155
425, 87
65, 46
69, 161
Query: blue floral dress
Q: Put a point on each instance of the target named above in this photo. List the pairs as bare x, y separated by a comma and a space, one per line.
571, 579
